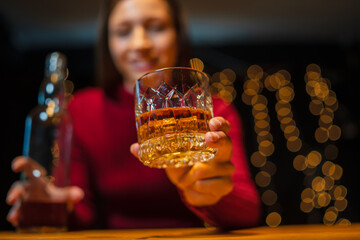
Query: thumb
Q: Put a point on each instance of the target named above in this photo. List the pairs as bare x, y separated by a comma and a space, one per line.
134, 149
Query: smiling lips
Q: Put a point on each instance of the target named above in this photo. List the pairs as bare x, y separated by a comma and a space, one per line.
143, 65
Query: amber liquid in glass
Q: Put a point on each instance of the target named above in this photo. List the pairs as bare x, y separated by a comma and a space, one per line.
42, 217
174, 137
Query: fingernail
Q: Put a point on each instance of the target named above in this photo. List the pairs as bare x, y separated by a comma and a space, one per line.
213, 136
10, 198
215, 123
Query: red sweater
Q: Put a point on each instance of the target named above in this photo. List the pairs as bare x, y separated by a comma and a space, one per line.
120, 192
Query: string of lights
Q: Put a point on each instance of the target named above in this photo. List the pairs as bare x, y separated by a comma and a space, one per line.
322, 175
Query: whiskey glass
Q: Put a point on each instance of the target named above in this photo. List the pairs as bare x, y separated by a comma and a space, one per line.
173, 108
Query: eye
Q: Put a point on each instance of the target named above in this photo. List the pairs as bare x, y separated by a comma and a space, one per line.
123, 32
155, 27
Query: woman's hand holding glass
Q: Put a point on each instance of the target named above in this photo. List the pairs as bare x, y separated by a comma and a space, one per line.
204, 184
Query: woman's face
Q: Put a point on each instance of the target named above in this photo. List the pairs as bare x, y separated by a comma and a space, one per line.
142, 38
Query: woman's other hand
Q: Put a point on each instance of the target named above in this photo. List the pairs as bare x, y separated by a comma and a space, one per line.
20, 189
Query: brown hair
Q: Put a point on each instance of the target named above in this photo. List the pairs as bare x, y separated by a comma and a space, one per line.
107, 76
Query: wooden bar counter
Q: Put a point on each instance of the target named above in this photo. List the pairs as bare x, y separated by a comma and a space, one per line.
291, 232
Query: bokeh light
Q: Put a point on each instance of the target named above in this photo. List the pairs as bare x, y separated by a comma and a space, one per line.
273, 219
262, 179
318, 184
197, 64
300, 162
269, 197
255, 72
257, 159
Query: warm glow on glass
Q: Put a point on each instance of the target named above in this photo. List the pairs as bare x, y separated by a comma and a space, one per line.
257, 159
269, 197
273, 219
262, 179
300, 163
54, 77
69, 87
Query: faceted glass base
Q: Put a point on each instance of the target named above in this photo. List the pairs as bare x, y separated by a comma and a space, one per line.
175, 150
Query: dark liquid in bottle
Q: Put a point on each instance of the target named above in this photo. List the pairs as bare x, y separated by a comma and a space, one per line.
42, 217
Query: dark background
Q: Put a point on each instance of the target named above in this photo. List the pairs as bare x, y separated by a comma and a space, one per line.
279, 34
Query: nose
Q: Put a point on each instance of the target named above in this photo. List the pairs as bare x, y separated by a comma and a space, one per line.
140, 39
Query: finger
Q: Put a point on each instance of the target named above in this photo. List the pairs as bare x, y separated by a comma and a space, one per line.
73, 194
13, 215
198, 199
219, 124
202, 171
220, 186
176, 176
134, 149
18, 164
33, 169
15, 193
209, 170
222, 143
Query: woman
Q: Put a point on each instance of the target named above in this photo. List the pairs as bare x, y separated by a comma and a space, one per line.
139, 36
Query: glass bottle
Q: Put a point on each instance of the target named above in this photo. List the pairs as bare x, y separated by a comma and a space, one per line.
47, 146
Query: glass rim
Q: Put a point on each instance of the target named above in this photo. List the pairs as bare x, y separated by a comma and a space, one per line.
171, 68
